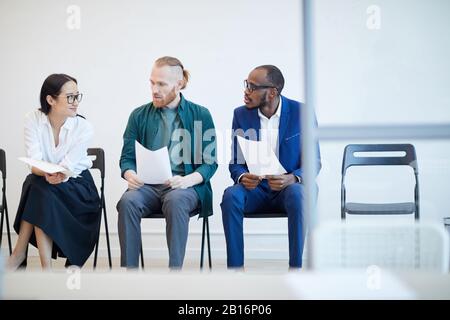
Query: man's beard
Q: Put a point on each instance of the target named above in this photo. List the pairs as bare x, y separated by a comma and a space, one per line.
167, 99
263, 103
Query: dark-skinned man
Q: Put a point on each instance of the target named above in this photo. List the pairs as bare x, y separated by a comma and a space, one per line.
266, 116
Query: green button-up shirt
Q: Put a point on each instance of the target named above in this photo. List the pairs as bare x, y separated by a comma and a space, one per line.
143, 125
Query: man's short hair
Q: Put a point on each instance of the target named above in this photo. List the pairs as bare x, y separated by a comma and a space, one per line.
274, 76
173, 62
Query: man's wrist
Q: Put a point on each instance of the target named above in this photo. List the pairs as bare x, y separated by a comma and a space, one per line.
127, 173
240, 177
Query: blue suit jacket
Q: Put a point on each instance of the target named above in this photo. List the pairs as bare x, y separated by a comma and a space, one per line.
289, 137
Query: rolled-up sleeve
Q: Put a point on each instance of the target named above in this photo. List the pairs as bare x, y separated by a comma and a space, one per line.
128, 155
31, 133
209, 147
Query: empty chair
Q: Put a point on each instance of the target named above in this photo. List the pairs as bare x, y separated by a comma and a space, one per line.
387, 245
408, 159
3, 204
99, 163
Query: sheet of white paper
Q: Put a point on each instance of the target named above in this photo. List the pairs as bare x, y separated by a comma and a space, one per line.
153, 167
45, 166
260, 158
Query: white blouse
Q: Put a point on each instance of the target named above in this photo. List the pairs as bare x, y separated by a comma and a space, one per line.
74, 139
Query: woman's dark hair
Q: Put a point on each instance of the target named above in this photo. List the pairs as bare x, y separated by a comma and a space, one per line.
52, 87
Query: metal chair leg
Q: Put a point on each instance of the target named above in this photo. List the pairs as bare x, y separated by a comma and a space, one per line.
96, 250
209, 243
8, 231
203, 242
107, 233
105, 219
98, 240
142, 256
1, 227
5, 218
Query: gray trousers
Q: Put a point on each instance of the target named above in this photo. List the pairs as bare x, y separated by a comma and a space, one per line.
175, 204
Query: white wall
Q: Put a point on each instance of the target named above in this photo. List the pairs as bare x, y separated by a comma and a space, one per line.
112, 55
397, 74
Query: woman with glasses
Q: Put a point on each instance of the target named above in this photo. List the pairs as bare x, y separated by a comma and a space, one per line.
58, 213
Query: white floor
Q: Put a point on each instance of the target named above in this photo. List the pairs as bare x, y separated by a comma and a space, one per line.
190, 265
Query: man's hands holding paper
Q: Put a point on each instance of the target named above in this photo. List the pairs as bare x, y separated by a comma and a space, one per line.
276, 182
250, 181
134, 182
176, 182
184, 182
281, 181
263, 163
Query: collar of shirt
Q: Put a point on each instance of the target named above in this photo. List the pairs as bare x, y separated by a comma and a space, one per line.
182, 102
68, 124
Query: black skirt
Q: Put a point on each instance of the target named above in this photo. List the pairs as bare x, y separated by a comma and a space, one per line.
69, 213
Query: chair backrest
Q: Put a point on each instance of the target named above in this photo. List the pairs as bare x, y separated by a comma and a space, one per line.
350, 159
3, 163
394, 246
99, 161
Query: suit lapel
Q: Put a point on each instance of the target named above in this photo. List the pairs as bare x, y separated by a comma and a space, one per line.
254, 122
284, 120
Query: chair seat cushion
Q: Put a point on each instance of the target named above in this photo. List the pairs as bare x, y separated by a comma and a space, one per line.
265, 214
160, 215
380, 208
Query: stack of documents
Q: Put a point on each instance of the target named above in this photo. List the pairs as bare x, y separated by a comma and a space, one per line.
47, 167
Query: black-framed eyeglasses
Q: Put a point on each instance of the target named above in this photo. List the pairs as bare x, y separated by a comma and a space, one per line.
72, 97
252, 87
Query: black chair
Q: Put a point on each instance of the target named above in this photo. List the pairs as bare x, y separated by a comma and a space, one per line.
99, 163
409, 159
205, 228
4, 205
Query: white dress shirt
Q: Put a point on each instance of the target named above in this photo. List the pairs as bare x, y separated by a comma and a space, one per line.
269, 127
74, 139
